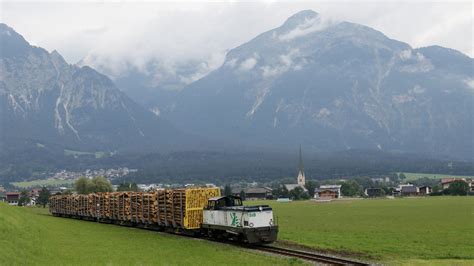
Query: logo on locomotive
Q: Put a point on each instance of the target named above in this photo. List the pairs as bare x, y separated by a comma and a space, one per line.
235, 220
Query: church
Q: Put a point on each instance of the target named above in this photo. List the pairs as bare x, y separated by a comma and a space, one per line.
300, 179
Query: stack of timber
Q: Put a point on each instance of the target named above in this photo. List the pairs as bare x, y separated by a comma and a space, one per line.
123, 206
177, 208
143, 207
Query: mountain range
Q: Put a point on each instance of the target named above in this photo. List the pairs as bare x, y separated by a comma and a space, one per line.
45, 101
327, 85
335, 86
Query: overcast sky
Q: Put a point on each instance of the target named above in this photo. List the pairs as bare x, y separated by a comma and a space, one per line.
205, 30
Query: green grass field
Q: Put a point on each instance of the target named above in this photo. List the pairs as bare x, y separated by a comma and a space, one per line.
29, 236
432, 230
415, 176
50, 182
97, 155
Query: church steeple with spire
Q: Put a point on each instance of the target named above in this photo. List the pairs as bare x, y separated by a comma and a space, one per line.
301, 180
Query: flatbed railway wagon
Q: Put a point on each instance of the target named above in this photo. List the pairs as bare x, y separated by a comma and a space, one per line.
180, 211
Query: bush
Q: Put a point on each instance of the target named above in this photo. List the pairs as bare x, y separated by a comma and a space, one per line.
459, 188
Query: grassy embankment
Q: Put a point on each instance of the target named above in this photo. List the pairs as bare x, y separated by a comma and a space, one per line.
29, 236
432, 230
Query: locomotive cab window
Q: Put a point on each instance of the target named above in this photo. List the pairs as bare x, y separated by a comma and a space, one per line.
237, 202
222, 202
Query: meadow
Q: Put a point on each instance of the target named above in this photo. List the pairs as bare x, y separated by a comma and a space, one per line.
30, 236
415, 176
430, 230
50, 182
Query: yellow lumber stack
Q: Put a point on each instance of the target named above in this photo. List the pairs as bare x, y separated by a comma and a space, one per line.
196, 200
179, 208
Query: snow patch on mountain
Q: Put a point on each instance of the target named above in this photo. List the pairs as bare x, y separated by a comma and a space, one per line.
402, 98
417, 89
155, 110
324, 112
17, 108
415, 62
259, 98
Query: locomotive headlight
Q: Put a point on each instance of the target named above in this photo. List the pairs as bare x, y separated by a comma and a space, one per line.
251, 224
271, 222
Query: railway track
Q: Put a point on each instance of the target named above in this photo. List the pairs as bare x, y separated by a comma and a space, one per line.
308, 256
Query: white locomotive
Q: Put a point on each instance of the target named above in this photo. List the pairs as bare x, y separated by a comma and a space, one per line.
226, 217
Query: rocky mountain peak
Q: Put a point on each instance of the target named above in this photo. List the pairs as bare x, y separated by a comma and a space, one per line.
301, 17
11, 43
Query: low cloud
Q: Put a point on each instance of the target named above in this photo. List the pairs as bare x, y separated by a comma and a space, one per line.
309, 26
285, 63
117, 35
248, 64
470, 83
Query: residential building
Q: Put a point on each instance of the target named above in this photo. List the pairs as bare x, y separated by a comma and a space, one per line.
409, 191
374, 192
328, 192
258, 193
397, 191
425, 190
254, 193
12, 198
384, 179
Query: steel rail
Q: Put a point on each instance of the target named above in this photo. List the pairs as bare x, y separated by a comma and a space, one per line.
308, 256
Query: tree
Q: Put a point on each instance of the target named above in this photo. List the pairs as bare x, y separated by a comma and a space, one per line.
351, 188
311, 187
242, 195
458, 187
298, 193
437, 188
24, 198
85, 185
402, 176
227, 190
364, 182
43, 197
126, 186
280, 192
82, 185
101, 184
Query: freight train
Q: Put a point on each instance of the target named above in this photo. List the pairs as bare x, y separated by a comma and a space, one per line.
200, 212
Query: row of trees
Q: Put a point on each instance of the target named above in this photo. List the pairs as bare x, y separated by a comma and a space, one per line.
297, 193
85, 185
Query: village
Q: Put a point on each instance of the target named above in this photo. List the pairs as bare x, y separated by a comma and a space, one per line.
315, 190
